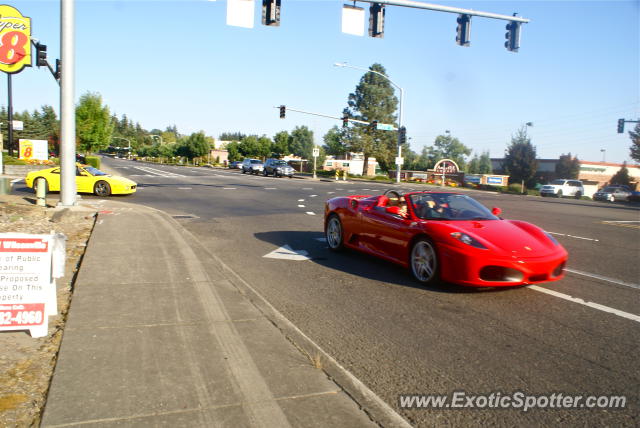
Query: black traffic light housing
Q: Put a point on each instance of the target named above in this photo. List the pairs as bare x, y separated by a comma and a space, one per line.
373, 125
402, 135
271, 12
512, 36
376, 20
345, 120
41, 55
620, 126
463, 32
283, 112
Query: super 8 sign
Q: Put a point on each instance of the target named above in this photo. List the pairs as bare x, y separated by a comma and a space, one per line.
15, 38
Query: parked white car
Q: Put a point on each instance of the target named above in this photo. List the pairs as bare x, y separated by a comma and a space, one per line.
563, 187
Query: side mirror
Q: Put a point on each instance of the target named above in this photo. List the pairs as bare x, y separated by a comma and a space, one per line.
496, 211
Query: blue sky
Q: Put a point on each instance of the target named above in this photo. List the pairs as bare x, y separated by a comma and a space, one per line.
177, 62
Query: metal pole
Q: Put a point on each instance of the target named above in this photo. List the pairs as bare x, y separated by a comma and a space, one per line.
399, 126
67, 107
10, 116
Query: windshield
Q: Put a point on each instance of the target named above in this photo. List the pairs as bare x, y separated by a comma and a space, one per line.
255, 161
560, 182
448, 206
95, 172
281, 163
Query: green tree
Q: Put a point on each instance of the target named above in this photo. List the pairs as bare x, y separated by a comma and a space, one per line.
264, 146
448, 147
232, 136
622, 176
567, 166
374, 100
93, 123
635, 143
301, 142
233, 150
520, 161
484, 166
334, 142
249, 146
280, 146
473, 166
194, 146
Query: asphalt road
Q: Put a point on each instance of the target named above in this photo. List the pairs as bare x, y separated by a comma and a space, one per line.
400, 338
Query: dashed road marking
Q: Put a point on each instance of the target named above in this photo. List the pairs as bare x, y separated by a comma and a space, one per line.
575, 237
593, 305
301, 206
228, 188
300, 200
311, 213
270, 188
312, 196
629, 224
185, 188
604, 278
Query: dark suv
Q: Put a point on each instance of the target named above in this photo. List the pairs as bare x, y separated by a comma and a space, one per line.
278, 168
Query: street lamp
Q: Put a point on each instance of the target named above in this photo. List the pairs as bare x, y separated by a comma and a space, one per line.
344, 64
604, 154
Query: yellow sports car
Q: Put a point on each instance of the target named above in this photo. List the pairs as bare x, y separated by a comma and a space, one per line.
88, 180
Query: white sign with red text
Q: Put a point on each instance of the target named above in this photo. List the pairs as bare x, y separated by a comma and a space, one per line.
27, 285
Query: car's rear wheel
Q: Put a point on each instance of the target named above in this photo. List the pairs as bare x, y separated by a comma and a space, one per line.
424, 261
243, 171
578, 195
40, 180
334, 233
559, 194
102, 188
265, 173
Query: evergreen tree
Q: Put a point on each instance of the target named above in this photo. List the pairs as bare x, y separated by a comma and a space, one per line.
334, 142
484, 166
301, 142
520, 161
374, 100
635, 143
473, 167
567, 166
622, 176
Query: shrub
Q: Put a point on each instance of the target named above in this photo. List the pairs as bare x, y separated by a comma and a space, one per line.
514, 188
94, 161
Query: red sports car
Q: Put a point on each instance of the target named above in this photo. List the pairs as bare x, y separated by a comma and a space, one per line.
444, 236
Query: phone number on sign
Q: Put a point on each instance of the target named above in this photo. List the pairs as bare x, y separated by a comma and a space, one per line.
21, 318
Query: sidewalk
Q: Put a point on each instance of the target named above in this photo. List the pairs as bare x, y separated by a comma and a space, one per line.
158, 334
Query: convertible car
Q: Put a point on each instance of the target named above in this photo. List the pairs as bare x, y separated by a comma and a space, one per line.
444, 236
88, 180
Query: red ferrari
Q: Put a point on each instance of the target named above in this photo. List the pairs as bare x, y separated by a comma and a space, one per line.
444, 236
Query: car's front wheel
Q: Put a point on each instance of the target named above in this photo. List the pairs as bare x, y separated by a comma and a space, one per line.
424, 261
334, 233
102, 188
559, 194
578, 195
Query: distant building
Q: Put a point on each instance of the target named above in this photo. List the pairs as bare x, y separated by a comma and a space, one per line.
354, 163
599, 173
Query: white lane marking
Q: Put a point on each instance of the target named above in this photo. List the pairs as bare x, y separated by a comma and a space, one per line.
575, 237
159, 172
312, 196
621, 221
307, 188
311, 213
320, 239
287, 253
300, 206
331, 193
270, 188
185, 188
604, 278
593, 305
228, 188
300, 200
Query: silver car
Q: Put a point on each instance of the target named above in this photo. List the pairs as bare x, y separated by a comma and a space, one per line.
252, 166
612, 194
278, 167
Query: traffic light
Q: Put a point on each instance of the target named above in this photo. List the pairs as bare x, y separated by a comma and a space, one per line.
620, 126
283, 111
345, 120
463, 36
402, 135
58, 71
373, 125
512, 36
271, 12
41, 55
376, 20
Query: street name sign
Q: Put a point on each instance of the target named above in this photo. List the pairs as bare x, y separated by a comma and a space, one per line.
385, 127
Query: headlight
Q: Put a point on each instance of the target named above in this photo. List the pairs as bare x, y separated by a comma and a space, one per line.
466, 239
